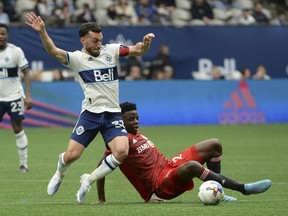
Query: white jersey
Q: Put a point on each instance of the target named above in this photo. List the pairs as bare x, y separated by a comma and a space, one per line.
12, 61
98, 77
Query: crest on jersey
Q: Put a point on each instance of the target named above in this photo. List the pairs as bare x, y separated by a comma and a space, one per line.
7, 59
108, 58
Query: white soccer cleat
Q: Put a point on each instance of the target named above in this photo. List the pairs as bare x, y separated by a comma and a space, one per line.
54, 184
84, 188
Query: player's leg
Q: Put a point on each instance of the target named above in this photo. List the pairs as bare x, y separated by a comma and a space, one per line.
115, 136
22, 145
120, 147
65, 159
82, 135
211, 152
191, 169
15, 109
246, 189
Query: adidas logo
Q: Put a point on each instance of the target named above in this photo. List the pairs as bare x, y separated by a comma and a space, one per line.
90, 59
241, 108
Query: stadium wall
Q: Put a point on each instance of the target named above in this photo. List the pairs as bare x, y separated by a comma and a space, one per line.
178, 102
192, 48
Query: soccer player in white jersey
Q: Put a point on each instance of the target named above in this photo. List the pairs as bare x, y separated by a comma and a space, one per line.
12, 97
96, 68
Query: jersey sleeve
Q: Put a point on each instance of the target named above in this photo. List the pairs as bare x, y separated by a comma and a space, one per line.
123, 50
21, 59
72, 60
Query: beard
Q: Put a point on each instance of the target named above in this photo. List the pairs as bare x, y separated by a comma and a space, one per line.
93, 52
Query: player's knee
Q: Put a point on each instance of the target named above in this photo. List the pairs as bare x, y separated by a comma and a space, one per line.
192, 166
217, 146
71, 156
17, 127
121, 154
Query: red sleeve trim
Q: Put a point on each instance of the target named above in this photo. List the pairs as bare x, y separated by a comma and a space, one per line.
123, 51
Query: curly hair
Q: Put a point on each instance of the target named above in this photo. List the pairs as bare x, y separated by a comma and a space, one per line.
127, 106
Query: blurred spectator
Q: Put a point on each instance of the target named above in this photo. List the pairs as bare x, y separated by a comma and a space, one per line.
245, 73
281, 19
86, 15
4, 18
146, 12
222, 4
261, 73
201, 12
134, 73
49, 12
22, 8
158, 64
168, 72
123, 20
125, 10
261, 14
246, 18
9, 8
216, 74
57, 75
164, 10
112, 17
44, 8
138, 61
65, 9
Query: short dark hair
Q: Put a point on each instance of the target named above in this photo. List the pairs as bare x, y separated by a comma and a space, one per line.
3, 25
127, 106
89, 26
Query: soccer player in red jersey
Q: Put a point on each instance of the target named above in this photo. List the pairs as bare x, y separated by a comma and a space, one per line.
150, 172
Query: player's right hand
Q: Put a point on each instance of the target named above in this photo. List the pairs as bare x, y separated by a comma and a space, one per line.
35, 22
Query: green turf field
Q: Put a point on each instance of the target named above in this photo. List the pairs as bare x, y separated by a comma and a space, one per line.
251, 152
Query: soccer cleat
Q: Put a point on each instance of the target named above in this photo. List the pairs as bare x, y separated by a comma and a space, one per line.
54, 184
23, 169
257, 187
84, 188
227, 198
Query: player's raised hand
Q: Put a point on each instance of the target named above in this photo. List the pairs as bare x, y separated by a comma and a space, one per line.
147, 39
35, 22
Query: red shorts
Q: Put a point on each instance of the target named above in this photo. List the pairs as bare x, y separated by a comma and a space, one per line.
169, 185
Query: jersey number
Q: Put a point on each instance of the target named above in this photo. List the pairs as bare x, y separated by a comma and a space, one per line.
118, 124
17, 107
179, 157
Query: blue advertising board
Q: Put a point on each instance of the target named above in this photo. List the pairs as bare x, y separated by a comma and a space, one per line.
184, 102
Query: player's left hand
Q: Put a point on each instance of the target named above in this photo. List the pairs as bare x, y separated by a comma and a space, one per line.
147, 39
28, 103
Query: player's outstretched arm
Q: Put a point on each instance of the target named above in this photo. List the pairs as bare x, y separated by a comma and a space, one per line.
141, 47
36, 23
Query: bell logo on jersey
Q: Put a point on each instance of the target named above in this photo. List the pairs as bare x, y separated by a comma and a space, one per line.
105, 76
3, 73
101, 75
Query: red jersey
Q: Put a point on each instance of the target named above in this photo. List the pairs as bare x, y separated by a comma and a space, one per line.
143, 164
